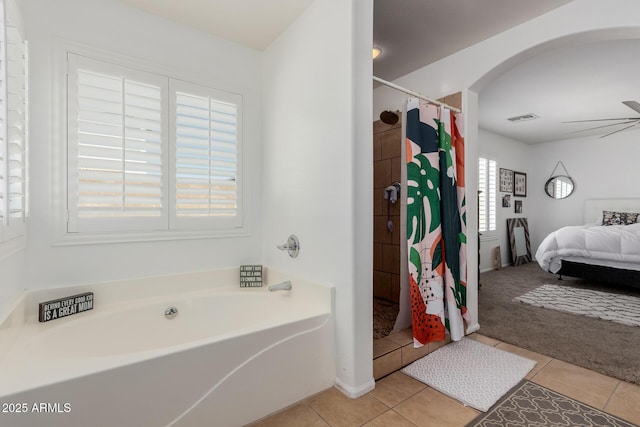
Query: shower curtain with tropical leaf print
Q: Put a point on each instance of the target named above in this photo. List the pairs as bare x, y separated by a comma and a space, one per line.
436, 223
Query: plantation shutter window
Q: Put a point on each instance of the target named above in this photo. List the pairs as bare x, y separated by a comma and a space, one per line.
207, 124
487, 179
147, 152
13, 125
117, 149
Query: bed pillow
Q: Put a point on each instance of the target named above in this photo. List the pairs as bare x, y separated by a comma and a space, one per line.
619, 218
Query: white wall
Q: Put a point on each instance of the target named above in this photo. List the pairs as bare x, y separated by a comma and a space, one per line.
514, 155
314, 171
601, 169
469, 70
12, 282
189, 55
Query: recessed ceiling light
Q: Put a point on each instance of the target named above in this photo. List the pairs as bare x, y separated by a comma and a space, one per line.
376, 52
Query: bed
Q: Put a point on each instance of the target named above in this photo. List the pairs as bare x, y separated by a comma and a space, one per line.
608, 252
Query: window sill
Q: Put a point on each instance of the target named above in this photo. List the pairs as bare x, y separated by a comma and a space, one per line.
71, 239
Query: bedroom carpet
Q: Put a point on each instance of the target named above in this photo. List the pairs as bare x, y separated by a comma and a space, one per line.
600, 345
471, 372
624, 309
530, 404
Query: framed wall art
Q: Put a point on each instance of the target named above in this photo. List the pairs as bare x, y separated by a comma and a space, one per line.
520, 184
517, 206
506, 180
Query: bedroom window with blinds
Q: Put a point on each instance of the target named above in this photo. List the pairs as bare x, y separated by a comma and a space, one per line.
147, 152
487, 182
13, 125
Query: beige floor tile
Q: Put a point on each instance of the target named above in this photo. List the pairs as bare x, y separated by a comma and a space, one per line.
403, 337
579, 383
540, 359
434, 345
341, 411
395, 388
300, 415
383, 346
431, 408
410, 354
484, 340
384, 365
625, 402
390, 419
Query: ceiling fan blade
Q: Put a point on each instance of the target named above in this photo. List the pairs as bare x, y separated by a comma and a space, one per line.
605, 126
620, 130
634, 105
602, 120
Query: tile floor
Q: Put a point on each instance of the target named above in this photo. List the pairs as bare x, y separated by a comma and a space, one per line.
399, 400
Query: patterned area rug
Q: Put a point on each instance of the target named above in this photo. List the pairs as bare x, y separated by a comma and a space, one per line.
384, 317
617, 308
476, 374
530, 404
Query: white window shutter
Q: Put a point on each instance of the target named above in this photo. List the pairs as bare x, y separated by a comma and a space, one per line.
117, 147
13, 155
482, 198
487, 185
207, 146
492, 178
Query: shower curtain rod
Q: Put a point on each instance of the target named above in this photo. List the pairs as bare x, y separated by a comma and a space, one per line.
416, 94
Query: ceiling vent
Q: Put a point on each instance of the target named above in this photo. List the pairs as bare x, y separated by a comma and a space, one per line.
523, 118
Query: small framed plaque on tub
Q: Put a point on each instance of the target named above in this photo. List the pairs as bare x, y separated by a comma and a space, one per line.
250, 276
63, 307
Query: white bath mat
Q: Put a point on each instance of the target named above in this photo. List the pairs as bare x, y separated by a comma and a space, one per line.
617, 308
476, 374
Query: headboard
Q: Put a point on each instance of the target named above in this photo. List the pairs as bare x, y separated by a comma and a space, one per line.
593, 208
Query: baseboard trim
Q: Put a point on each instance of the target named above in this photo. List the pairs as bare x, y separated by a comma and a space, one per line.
355, 392
473, 328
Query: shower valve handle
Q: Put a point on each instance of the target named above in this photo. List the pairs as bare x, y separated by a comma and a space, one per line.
292, 246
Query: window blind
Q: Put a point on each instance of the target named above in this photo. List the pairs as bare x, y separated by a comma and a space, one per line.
16, 124
206, 156
487, 178
119, 147
148, 152
116, 147
492, 194
482, 197
13, 124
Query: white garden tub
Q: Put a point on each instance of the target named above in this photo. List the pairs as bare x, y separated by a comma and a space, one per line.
230, 356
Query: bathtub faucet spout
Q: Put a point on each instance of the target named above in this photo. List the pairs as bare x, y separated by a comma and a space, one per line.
284, 286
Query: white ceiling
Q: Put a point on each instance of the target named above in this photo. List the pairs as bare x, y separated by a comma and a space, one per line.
576, 83
415, 33
570, 83
251, 23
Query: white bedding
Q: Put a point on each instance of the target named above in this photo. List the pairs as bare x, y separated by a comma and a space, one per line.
619, 244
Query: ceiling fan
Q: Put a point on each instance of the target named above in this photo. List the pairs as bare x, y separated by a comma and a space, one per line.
630, 121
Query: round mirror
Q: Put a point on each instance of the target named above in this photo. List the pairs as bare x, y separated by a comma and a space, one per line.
559, 187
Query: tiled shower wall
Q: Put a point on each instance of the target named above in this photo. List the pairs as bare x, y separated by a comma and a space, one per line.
387, 140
